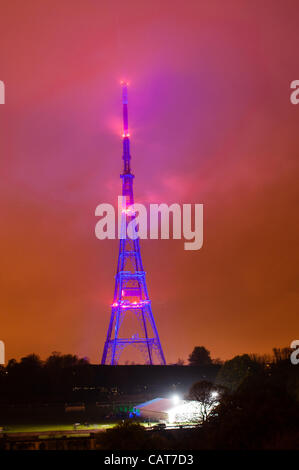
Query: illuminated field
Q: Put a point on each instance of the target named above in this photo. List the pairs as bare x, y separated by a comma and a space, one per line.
53, 427
58, 428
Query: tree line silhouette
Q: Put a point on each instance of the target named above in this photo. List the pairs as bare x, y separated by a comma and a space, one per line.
258, 409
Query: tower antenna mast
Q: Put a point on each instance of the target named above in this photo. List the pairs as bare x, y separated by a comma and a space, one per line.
131, 297
126, 134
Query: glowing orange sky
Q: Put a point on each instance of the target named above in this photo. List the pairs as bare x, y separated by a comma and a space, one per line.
211, 122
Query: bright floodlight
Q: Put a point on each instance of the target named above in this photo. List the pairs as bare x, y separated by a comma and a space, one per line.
175, 399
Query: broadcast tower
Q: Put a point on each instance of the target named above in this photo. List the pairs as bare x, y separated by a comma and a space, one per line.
131, 303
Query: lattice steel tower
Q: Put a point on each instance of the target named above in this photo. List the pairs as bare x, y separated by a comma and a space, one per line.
130, 295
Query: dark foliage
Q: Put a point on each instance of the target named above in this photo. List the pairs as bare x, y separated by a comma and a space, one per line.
259, 409
262, 413
68, 379
235, 371
200, 356
33, 381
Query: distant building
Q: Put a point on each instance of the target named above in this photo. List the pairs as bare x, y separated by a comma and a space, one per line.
173, 410
74, 407
156, 410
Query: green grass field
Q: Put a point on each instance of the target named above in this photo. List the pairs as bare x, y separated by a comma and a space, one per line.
24, 428
12, 428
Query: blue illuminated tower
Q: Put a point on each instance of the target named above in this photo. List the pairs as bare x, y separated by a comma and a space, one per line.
131, 309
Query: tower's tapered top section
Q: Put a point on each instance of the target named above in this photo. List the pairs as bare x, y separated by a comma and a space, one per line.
126, 134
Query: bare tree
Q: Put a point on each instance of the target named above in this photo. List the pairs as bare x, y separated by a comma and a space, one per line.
208, 395
282, 354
